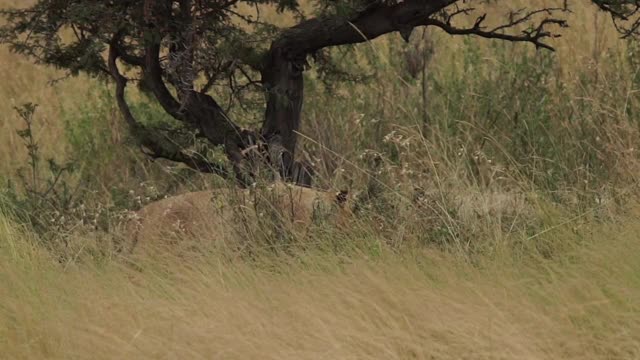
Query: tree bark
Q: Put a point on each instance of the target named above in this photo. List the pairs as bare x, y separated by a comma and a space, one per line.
195, 108
157, 147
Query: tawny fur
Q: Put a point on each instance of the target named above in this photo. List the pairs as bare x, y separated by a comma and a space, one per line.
227, 215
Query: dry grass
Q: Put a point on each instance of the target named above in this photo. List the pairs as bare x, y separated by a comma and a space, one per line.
419, 305
25, 82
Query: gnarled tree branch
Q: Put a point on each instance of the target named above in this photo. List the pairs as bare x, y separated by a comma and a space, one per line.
145, 137
534, 34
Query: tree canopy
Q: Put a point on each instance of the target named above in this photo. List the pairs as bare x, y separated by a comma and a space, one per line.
179, 50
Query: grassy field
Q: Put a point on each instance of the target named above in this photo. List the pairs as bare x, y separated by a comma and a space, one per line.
501, 223
408, 305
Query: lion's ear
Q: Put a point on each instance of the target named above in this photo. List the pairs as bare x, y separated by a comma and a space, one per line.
342, 196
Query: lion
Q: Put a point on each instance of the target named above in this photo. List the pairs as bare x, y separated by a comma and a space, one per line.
232, 216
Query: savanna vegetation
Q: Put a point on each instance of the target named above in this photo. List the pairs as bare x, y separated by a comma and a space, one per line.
492, 187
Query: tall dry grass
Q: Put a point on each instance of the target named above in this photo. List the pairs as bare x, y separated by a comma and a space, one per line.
417, 305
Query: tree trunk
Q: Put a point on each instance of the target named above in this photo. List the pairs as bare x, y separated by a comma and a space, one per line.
285, 91
287, 59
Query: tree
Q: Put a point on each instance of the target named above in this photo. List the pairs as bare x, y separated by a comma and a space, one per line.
178, 50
